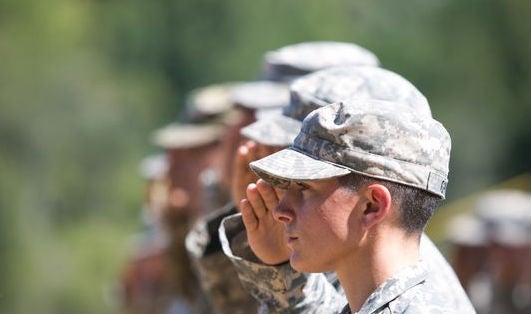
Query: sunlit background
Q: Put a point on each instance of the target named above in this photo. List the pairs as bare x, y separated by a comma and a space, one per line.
84, 83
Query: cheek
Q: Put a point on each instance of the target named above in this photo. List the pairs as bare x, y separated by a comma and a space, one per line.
337, 224
338, 213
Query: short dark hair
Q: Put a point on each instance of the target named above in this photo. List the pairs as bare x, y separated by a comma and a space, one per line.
416, 206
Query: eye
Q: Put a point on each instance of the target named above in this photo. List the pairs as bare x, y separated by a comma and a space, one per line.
301, 186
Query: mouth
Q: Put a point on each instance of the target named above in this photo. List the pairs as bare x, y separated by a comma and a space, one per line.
291, 239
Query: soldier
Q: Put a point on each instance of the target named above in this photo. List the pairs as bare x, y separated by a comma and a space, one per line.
282, 65
145, 286
506, 216
160, 279
308, 93
361, 180
189, 149
468, 246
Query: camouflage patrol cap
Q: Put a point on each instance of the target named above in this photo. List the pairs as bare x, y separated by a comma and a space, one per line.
260, 95
290, 62
507, 216
333, 85
208, 103
186, 135
374, 138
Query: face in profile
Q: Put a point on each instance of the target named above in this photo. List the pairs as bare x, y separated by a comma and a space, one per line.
320, 223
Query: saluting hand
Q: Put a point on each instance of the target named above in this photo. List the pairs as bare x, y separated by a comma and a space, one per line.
265, 235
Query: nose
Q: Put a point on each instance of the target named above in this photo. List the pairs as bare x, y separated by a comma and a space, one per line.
284, 212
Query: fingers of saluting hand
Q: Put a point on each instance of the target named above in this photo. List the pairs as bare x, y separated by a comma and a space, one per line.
249, 219
256, 201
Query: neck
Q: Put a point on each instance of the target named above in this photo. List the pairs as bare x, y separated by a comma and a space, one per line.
380, 257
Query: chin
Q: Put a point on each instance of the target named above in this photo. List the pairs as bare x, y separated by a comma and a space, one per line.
301, 265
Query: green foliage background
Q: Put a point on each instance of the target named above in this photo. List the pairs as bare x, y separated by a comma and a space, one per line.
84, 83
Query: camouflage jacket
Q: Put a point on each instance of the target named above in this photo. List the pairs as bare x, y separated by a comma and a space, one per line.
280, 289
216, 273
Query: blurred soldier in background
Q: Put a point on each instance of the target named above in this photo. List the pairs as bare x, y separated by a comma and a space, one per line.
491, 251
506, 215
217, 274
468, 254
145, 284
163, 281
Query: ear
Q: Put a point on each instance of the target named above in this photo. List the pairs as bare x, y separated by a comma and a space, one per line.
377, 205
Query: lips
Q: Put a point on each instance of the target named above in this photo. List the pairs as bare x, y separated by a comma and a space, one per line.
290, 239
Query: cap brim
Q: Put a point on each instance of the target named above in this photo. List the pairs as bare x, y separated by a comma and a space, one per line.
273, 131
177, 136
291, 165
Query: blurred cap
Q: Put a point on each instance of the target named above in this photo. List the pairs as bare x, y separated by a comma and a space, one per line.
374, 138
260, 95
209, 103
334, 85
179, 135
466, 230
154, 167
507, 216
289, 62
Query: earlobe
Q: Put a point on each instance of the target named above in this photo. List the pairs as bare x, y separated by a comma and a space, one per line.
377, 206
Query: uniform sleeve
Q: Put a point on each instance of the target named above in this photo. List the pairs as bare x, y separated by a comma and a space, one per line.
278, 289
216, 273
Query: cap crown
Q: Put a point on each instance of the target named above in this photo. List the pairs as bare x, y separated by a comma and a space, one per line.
290, 62
260, 95
342, 83
379, 139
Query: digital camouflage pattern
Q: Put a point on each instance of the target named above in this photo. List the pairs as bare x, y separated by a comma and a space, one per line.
289, 62
410, 291
217, 275
281, 289
334, 85
374, 138
345, 82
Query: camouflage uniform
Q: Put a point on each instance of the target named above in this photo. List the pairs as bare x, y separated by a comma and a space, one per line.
217, 276
376, 150
409, 291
